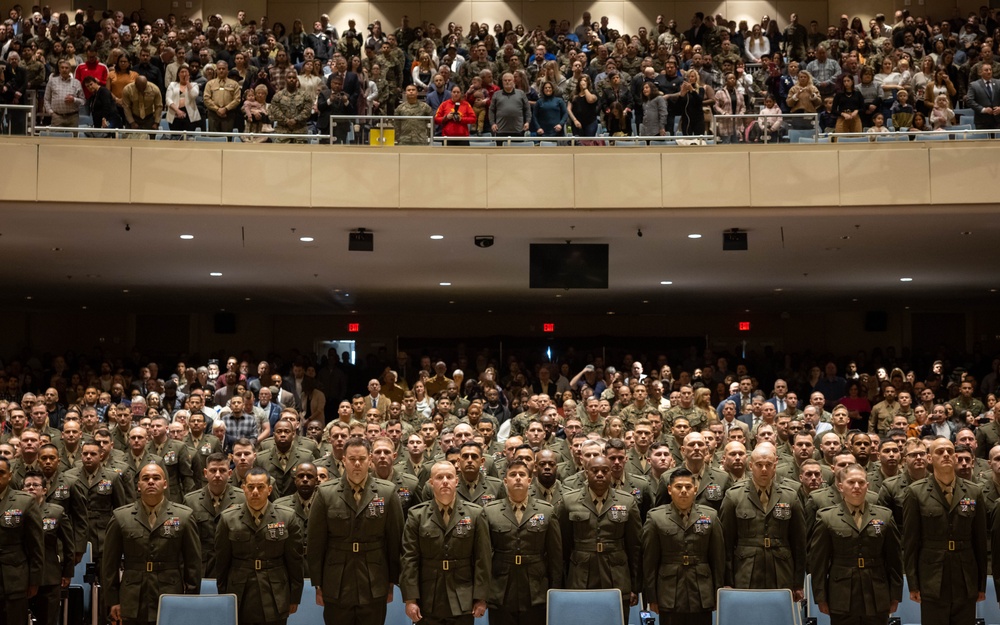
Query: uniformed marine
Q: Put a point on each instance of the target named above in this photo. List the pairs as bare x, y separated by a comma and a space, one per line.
22, 548
208, 503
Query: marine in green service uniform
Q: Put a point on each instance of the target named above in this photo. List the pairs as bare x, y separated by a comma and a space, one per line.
683, 555
22, 548
154, 541
527, 551
209, 502
447, 558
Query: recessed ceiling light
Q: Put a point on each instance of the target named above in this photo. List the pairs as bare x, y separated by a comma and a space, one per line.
306, 239
451, 301
28, 297
216, 274
444, 283
993, 290
778, 290
187, 237
694, 236
906, 279
611, 312
645, 301
854, 300
124, 290
84, 307
246, 299
437, 237
558, 295
666, 282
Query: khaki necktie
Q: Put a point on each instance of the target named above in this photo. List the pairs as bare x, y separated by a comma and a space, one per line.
257, 516
357, 496
283, 461
948, 490
446, 514
643, 463
764, 497
216, 503
598, 505
142, 105
518, 513
858, 518
685, 517
152, 519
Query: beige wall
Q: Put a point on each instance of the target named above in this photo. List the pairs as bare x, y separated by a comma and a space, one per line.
818, 175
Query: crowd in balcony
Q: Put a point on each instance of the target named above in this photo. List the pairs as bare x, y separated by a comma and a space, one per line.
917, 73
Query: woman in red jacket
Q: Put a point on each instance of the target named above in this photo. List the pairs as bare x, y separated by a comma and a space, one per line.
454, 116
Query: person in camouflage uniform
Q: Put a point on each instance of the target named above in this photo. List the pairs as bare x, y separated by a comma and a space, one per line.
415, 131
290, 109
393, 74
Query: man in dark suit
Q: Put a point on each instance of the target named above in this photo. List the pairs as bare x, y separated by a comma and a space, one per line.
984, 99
938, 424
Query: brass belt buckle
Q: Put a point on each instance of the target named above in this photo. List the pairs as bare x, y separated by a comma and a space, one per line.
444, 565
517, 560
686, 561
861, 563
951, 545
149, 567
600, 547
355, 547
257, 565
767, 543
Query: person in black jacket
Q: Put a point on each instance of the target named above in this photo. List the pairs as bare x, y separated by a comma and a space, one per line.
102, 105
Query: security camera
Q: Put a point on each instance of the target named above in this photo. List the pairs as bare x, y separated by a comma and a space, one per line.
127, 227
484, 240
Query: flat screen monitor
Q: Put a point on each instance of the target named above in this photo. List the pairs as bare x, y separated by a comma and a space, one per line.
569, 266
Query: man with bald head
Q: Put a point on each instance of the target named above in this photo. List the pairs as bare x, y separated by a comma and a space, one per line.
156, 542
712, 483
599, 525
734, 460
143, 104
138, 456
765, 529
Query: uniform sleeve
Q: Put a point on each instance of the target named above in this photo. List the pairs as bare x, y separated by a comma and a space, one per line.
798, 534
393, 535
893, 560
979, 547
68, 544
912, 532
483, 571
223, 554
650, 559
818, 558
727, 518
409, 575
110, 562
633, 546
316, 538
193, 568
34, 543
717, 555
294, 561
186, 470
78, 516
554, 553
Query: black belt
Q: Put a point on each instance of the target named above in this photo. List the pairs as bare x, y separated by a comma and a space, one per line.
516, 558
151, 567
259, 565
683, 560
357, 547
948, 545
859, 562
760, 543
598, 546
445, 565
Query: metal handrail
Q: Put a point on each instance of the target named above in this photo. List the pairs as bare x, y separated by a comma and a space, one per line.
950, 135
573, 140
32, 111
185, 134
357, 120
813, 117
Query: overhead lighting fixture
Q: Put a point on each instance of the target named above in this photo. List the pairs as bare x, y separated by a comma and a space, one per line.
306, 239
216, 274
694, 236
666, 282
124, 290
437, 237
444, 283
187, 237
906, 279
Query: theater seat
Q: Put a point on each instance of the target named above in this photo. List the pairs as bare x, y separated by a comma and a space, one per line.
308, 613
909, 610
201, 609
812, 609
572, 607
988, 610
757, 607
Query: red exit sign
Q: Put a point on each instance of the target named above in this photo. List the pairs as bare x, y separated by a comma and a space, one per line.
548, 327
354, 327
744, 326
